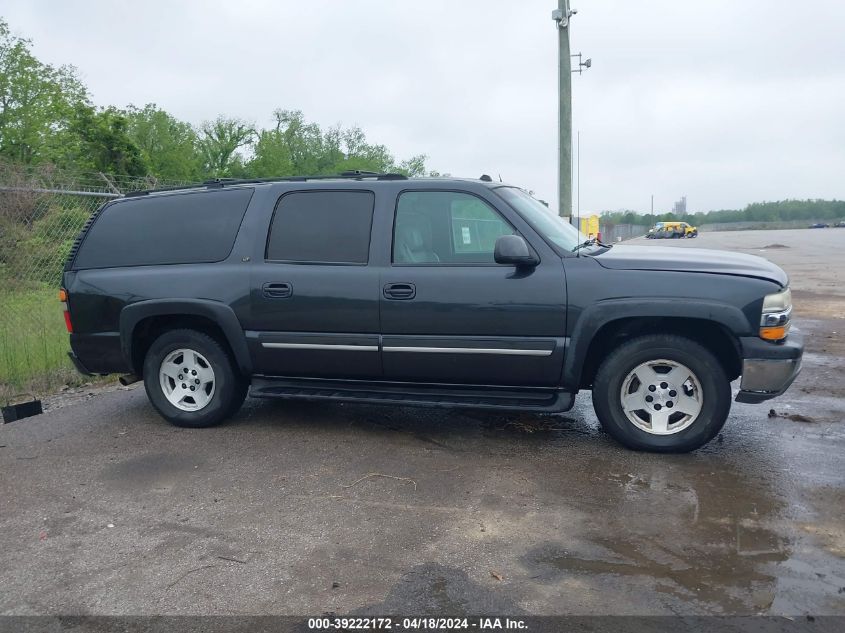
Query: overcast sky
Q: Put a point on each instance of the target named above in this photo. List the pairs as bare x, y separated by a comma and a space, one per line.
725, 101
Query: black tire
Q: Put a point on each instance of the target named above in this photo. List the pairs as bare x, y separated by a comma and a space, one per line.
229, 387
714, 385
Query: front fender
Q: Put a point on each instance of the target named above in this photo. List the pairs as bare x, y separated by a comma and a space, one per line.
596, 316
219, 313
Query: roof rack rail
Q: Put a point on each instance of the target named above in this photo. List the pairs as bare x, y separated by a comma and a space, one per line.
144, 192
358, 172
219, 183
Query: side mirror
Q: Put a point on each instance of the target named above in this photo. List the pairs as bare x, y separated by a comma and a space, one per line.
513, 249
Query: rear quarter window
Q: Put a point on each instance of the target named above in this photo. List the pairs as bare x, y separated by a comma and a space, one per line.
183, 228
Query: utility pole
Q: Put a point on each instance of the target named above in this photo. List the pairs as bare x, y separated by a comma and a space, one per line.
561, 16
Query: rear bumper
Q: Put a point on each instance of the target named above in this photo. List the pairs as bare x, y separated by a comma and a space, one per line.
82, 369
98, 353
769, 369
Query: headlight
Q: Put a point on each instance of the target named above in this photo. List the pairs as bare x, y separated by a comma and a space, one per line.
777, 310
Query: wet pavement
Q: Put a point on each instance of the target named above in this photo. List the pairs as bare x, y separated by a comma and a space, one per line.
306, 508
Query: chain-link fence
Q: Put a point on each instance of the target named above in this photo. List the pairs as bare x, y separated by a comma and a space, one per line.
617, 232
41, 213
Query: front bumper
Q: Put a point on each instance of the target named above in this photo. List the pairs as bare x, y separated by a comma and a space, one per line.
769, 368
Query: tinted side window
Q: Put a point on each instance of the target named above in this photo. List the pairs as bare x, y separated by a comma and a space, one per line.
322, 227
445, 227
170, 229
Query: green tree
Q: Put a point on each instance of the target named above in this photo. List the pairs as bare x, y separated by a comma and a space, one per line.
295, 147
303, 141
785, 210
37, 102
413, 167
168, 146
219, 142
46, 118
273, 155
105, 143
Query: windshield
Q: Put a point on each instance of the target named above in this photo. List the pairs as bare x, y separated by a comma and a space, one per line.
551, 227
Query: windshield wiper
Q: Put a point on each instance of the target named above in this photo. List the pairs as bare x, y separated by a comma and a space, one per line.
591, 242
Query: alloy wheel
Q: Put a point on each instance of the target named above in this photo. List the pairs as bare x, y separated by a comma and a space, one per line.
187, 379
661, 397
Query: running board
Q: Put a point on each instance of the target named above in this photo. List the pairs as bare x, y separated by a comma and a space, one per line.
414, 394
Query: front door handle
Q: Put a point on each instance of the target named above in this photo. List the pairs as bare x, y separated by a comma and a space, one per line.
400, 291
277, 290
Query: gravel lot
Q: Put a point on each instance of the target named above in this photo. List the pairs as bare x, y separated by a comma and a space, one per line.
306, 509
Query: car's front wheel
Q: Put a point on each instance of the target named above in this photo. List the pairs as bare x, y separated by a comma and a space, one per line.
191, 379
662, 393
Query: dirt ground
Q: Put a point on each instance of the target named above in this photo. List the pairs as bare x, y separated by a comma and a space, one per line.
306, 509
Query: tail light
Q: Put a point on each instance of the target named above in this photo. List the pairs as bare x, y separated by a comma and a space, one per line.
63, 298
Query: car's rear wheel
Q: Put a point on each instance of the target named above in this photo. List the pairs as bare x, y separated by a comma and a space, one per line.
662, 393
191, 379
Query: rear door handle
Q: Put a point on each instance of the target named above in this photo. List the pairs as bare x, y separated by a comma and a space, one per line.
400, 291
277, 290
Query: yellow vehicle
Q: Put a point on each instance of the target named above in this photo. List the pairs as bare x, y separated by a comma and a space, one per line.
672, 230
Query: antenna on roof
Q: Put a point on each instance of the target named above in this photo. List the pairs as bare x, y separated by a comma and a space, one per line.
485, 178
578, 182
500, 178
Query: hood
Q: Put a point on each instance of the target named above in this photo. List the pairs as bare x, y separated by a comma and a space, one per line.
690, 260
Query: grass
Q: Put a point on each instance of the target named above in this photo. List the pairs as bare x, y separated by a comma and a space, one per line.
33, 342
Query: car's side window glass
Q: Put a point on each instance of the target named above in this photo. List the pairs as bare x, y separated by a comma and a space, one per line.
177, 228
445, 227
331, 227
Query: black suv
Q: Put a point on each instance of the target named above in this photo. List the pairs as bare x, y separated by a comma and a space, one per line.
437, 292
